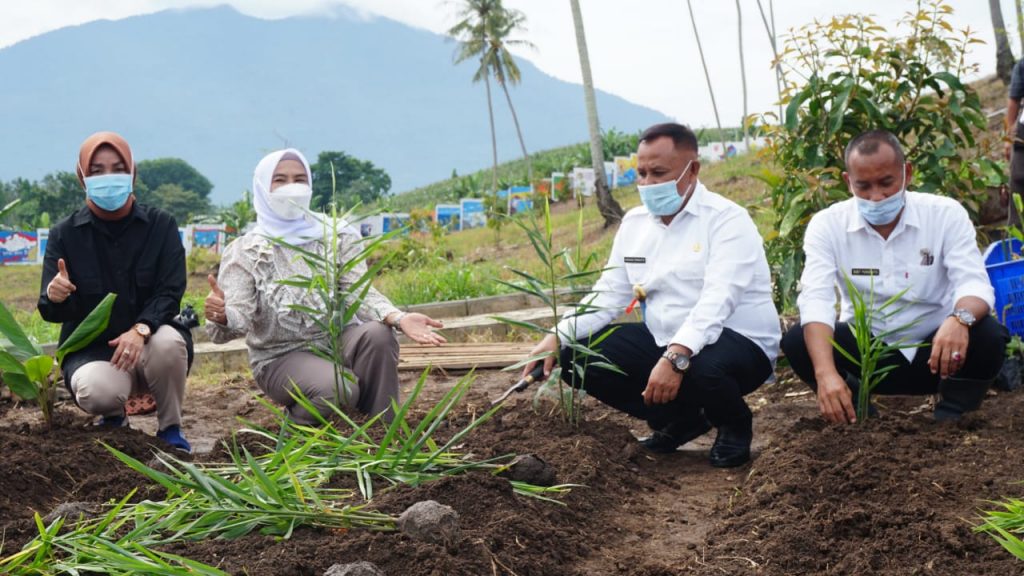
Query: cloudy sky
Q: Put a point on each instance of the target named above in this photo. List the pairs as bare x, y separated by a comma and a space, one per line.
643, 50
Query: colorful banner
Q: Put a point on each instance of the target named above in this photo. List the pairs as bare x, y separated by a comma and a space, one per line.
473, 213
520, 200
543, 187
625, 170
208, 237
42, 239
609, 174
582, 182
392, 222
18, 247
559, 186
448, 216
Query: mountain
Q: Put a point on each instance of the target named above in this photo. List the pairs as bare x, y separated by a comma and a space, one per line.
221, 89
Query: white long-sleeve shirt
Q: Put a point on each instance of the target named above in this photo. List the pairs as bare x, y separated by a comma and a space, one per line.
703, 271
932, 253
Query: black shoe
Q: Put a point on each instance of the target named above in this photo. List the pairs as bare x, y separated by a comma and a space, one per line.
959, 395
666, 440
732, 446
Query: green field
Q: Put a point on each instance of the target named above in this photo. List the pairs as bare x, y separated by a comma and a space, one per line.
459, 265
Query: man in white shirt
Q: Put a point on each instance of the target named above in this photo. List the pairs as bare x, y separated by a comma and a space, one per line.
710, 333
887, 240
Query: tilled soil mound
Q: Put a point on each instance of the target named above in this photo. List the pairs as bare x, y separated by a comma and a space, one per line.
896, 496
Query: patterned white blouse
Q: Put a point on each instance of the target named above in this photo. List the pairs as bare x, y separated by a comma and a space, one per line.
260, 307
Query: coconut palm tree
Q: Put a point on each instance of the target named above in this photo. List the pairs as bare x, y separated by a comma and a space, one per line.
504, 67
707, 75
606, 204
770, 29
483, 32
471, 32
743, 75
1004, 55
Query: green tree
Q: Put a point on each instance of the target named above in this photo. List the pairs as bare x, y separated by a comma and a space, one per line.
238, 215
355, 181
178, 202
159, 171
59, 194
859, 76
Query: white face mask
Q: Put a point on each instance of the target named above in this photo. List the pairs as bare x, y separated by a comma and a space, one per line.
291, 201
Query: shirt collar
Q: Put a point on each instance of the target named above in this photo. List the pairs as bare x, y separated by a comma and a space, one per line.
84, 216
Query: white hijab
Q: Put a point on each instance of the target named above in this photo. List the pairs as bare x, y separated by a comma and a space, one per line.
296, 231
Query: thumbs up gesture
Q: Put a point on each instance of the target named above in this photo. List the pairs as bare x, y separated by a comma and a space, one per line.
214, 308
60, 287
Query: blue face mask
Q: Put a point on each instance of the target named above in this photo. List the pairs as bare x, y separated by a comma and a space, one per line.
109, 191
884, 211
664, 199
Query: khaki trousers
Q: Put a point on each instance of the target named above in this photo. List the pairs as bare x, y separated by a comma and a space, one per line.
370, 353
100, 388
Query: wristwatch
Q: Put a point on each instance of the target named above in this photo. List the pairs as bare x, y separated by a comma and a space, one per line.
964, 316
680, 362
143, 330
396, 323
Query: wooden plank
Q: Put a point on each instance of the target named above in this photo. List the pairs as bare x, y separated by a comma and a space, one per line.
459, 356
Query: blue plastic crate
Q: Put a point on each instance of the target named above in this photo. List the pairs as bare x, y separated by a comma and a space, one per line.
1007, 277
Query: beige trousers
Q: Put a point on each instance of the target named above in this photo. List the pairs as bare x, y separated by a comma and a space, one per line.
370, 352
102, 389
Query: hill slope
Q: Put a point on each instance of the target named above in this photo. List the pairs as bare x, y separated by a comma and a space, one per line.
220, 89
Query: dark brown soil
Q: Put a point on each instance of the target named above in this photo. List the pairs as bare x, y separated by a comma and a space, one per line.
897, 495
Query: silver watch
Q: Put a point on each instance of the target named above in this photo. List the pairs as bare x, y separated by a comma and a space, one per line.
964, 316
396, 323
680, 362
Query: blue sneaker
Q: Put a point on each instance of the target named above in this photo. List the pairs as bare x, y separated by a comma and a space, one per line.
173, 436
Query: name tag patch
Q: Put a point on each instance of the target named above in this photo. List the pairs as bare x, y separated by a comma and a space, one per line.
635, 260
865, 272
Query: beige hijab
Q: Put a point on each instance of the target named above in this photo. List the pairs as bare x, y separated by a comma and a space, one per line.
93, 143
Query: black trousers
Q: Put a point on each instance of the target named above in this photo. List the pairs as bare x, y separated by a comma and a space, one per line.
986, 350
718, 378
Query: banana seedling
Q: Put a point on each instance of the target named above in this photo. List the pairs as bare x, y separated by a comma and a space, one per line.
27, 371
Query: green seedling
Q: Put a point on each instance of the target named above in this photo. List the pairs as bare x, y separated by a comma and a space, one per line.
28, 372
566, 273
872, 349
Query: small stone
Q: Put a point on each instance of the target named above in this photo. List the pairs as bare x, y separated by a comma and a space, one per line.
531, 469
430, 521
72, 510
354, 569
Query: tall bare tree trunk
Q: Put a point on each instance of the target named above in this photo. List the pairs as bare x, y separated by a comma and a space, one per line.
707, 75
519, 132
743, 74
1018, 6
606, 204
1004, 55
494, 137
770, 30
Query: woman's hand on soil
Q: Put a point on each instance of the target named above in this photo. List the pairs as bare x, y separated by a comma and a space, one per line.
418, 327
